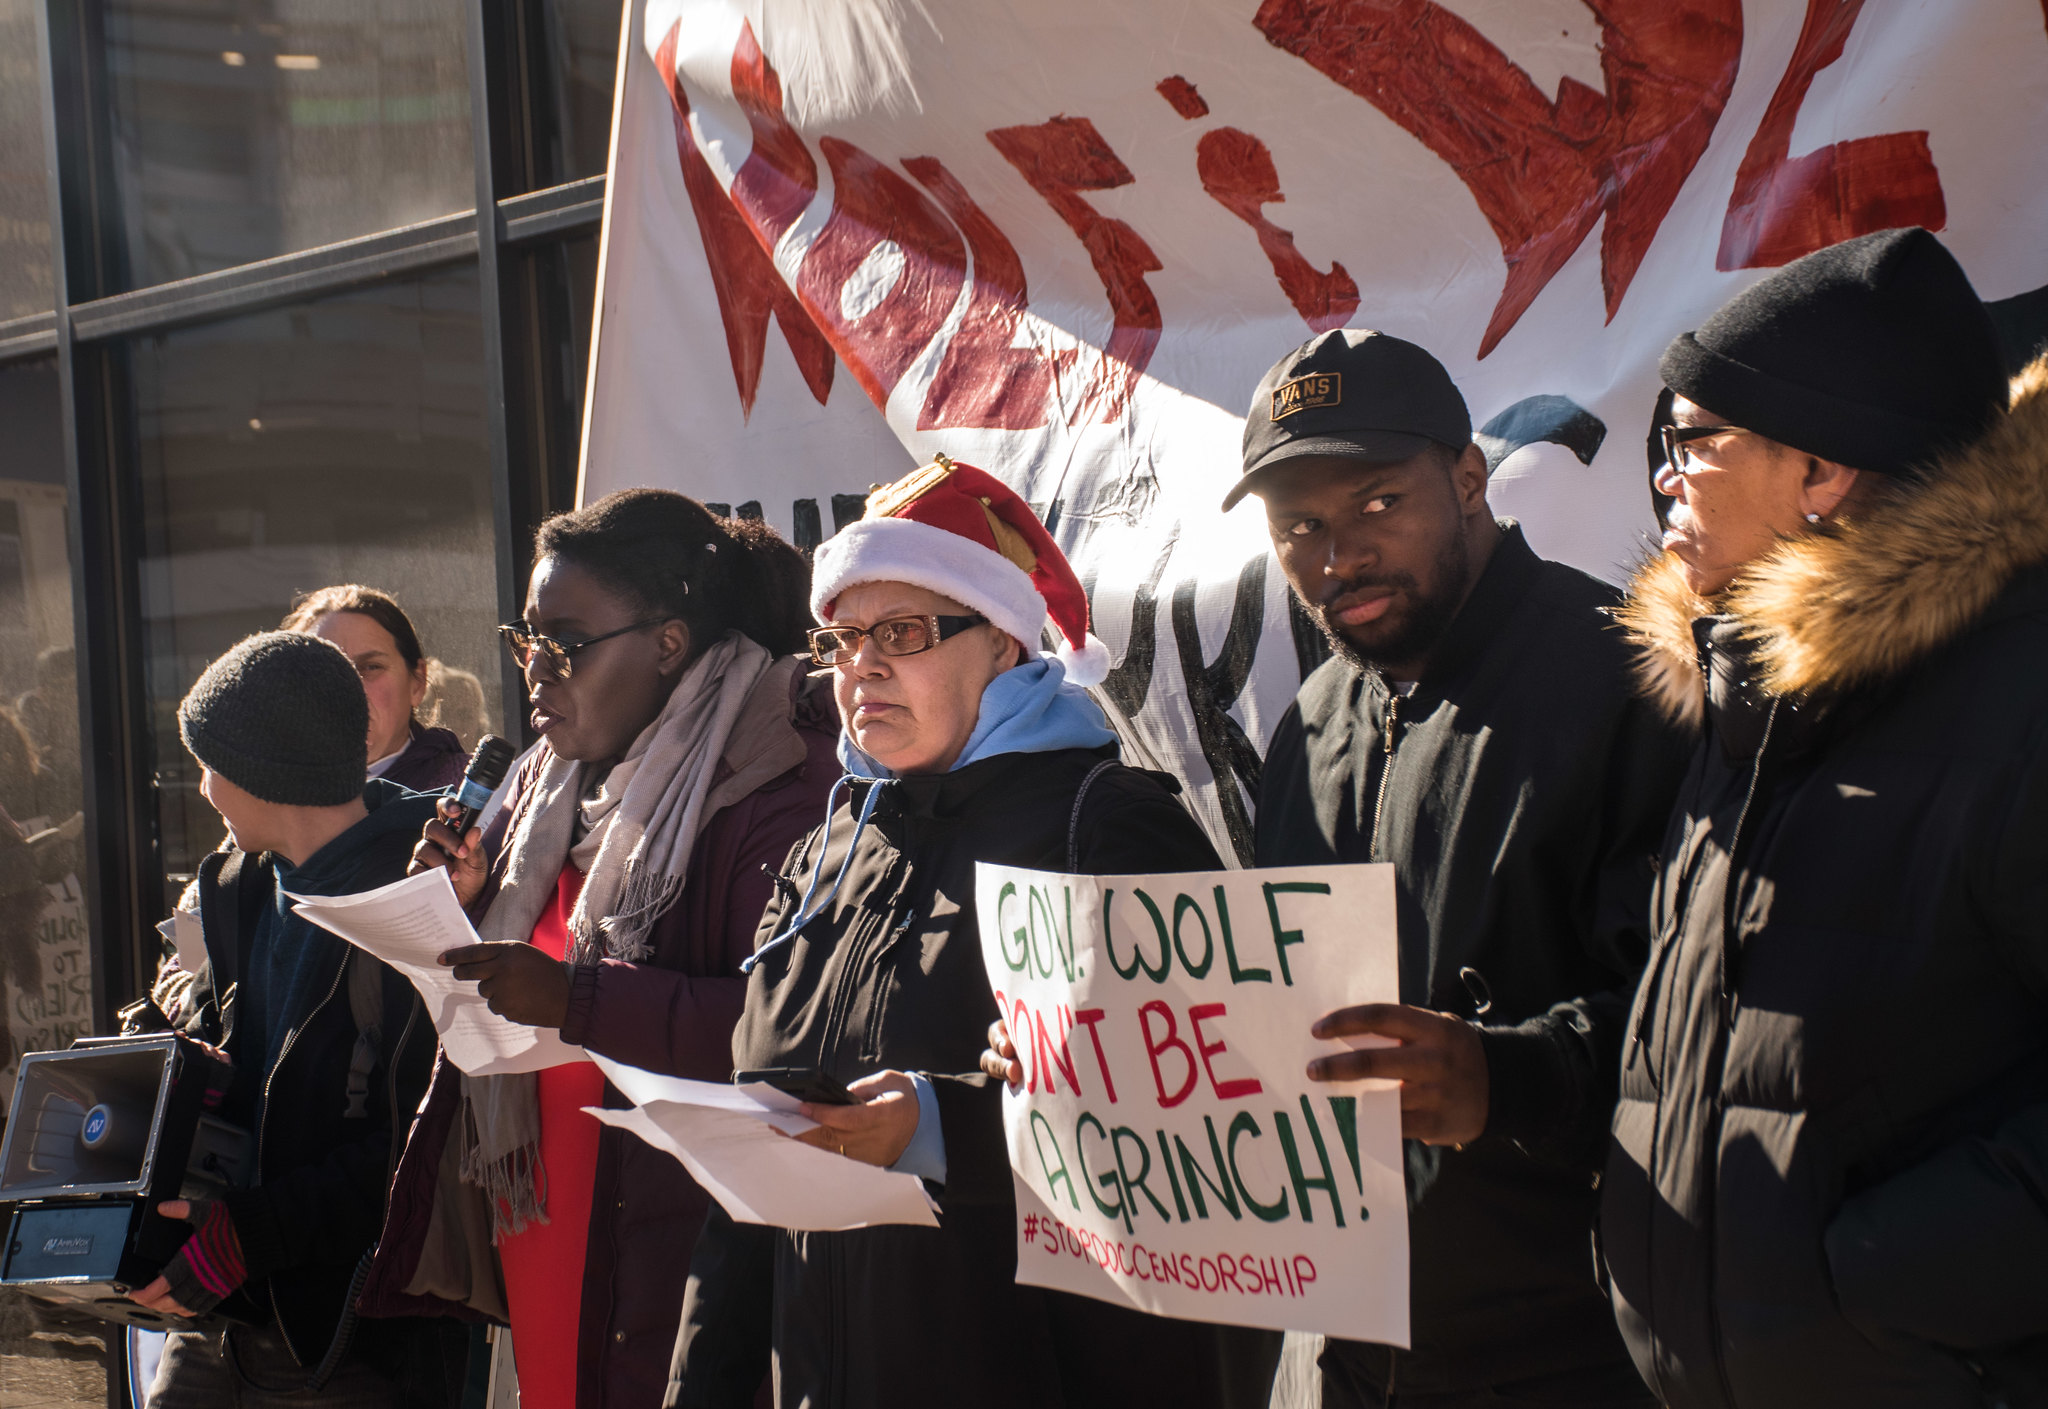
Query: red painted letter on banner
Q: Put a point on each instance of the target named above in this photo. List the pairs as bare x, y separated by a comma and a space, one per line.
1237, 170
883, 273
1785, 206
742, 275
1060, 158
779, 177
1542, 172
983, 381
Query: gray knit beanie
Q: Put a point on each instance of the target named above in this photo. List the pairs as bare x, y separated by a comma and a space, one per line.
283, 717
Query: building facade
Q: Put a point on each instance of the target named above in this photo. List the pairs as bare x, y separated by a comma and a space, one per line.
292, 293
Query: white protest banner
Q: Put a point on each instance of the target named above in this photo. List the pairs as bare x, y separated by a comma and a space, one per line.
1061, 242
1168, 1149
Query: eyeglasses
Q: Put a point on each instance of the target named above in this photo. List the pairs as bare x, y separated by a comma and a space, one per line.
1676, 438
895, 636
557, 658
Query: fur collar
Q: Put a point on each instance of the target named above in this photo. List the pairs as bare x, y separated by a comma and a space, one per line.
1864, 601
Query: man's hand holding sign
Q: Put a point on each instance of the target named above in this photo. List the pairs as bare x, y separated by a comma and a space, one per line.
1182, 1138
1440, 1064
1438, 1061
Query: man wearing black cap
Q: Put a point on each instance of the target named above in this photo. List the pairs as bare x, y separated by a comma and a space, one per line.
1829, 1174
330, 1048
1477, 729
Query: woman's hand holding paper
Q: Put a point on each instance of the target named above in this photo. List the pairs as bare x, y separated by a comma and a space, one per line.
517, 980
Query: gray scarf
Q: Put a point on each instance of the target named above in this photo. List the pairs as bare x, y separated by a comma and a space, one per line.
642, 825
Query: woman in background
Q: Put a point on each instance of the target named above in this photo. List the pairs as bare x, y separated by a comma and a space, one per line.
379, 638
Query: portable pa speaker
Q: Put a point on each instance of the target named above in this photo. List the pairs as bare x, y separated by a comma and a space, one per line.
97, 1136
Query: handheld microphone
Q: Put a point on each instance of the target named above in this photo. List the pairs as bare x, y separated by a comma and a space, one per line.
487, 769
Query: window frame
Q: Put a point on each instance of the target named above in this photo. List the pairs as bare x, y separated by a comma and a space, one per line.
528, 318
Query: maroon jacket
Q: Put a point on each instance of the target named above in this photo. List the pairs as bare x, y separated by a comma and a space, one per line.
431, 762
673, 1015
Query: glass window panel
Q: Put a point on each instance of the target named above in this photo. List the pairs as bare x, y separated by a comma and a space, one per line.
338, 441
244, 129
46, 952
557, 282
573, 107
43, 944
25, 279
47, 1355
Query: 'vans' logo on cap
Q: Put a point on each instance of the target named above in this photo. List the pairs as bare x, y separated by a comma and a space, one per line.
1316, 389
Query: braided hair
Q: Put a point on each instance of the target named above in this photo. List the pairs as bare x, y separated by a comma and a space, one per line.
672, 557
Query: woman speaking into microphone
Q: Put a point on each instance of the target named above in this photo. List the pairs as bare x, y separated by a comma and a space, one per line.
683, 753
961, 743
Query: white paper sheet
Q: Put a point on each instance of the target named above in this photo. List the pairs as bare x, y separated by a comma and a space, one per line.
188, 937
730, 1139
409, 924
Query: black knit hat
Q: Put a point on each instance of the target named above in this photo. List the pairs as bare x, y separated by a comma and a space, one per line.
283, 717
1874, 353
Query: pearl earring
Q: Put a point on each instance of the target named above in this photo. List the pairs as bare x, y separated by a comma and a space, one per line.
1813, 518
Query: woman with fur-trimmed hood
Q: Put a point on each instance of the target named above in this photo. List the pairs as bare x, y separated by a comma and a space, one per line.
1829, 1176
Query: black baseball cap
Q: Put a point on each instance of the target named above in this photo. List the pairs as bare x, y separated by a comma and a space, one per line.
1351, 392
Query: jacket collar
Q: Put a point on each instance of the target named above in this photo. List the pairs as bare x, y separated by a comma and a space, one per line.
950, 794
1861, 603
335, 867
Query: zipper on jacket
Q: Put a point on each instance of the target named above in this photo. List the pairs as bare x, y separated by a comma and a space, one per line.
1388, 728
263, 1125
861, 944
1728, 1003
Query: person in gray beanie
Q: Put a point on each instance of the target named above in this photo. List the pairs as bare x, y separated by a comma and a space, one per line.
272, 717
1828, 1178
330, 1049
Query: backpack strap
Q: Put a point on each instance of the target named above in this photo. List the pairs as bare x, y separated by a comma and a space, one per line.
366, 1006
1074, 821
232, 889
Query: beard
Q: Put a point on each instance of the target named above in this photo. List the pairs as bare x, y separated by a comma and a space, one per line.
1406, 635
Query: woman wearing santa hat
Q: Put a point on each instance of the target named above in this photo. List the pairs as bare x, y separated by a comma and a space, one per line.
962, 742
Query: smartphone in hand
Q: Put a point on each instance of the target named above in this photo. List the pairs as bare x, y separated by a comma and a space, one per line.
820, 1088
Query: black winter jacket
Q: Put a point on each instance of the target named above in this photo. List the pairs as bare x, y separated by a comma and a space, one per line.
323, 1160
1519, 791
1829, 1178
890, 976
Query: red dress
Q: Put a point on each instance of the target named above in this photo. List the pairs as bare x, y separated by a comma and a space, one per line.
543, 1263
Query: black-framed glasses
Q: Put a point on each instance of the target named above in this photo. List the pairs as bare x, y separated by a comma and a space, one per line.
1675, 439
558, 658
893, 636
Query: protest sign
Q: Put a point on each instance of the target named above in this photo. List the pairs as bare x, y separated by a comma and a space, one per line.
50, 1006
1168, 1149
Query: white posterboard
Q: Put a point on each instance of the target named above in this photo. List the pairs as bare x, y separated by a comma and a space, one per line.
1168, 1149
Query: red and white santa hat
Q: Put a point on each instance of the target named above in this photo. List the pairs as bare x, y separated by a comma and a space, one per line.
963, 533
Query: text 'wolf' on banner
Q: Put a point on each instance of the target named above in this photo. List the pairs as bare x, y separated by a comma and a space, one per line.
1168, 1149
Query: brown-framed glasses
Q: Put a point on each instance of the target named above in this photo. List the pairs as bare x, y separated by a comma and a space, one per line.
893, 636
557, 658
1676, 438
